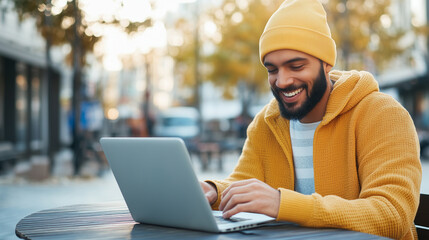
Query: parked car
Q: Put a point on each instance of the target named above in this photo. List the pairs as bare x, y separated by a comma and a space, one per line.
180, 122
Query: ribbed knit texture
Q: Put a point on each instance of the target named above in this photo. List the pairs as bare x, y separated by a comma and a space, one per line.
367, 170
300, 25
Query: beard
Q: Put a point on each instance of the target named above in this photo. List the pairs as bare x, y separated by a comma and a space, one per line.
313, 97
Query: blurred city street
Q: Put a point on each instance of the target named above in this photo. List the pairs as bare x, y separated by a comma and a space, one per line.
19, 198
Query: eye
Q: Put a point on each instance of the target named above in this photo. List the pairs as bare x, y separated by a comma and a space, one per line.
297, 67
272, 70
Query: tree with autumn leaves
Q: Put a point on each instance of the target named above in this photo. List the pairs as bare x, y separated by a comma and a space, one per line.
65, 24
234, 65
234, 60
364, 33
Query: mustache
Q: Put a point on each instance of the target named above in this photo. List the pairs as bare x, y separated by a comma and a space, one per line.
288, 89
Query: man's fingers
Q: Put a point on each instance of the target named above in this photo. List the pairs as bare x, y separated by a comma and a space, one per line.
209, 191
250, 196
245, 186
239, 184
234, 200
235, 192
242, 207
211, 197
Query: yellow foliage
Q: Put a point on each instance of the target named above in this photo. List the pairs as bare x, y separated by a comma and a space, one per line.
363, 41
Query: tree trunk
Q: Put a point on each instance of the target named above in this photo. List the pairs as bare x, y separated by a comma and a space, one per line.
76, 98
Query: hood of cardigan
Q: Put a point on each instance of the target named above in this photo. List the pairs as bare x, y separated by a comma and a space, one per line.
349, 89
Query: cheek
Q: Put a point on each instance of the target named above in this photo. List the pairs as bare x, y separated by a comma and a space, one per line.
309, 79
271, 80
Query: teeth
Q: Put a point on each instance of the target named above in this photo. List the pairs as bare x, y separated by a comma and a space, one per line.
291, 94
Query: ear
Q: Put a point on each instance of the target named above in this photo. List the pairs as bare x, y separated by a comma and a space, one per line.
327, 68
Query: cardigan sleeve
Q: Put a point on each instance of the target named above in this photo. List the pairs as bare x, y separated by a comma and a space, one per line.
389, 172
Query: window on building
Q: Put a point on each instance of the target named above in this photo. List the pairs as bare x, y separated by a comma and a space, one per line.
21, 106
36, 136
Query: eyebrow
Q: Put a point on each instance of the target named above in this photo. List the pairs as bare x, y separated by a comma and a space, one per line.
268, 64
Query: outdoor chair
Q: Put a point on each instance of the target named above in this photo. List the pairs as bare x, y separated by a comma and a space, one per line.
422, 217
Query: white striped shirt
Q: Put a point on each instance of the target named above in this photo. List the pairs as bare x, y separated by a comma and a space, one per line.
302, 135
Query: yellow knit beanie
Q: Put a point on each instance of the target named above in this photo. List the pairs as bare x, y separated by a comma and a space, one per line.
299, 25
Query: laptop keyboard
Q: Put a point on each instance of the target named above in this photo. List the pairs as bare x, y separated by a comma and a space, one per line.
221, 220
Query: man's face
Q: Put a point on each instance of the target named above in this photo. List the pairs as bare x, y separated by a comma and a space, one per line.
297, 81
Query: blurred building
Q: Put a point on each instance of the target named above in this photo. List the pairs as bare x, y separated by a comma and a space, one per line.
407, 79
29, 103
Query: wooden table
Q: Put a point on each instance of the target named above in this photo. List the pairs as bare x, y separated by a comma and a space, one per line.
112, 220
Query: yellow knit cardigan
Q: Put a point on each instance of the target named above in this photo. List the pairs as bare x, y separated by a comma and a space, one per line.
367, 171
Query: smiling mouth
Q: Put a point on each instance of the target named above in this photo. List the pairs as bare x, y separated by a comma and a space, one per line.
293, 93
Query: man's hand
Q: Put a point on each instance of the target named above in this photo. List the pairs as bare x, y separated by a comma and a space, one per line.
210, 192
250, 195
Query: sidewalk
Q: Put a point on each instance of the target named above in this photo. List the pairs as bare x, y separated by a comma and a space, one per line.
19, 198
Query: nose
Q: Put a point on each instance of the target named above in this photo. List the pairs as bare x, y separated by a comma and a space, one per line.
284, 79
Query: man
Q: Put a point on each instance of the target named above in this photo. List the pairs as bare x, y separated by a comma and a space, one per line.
330, 150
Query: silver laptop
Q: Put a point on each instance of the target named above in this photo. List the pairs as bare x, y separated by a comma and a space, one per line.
160, 187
